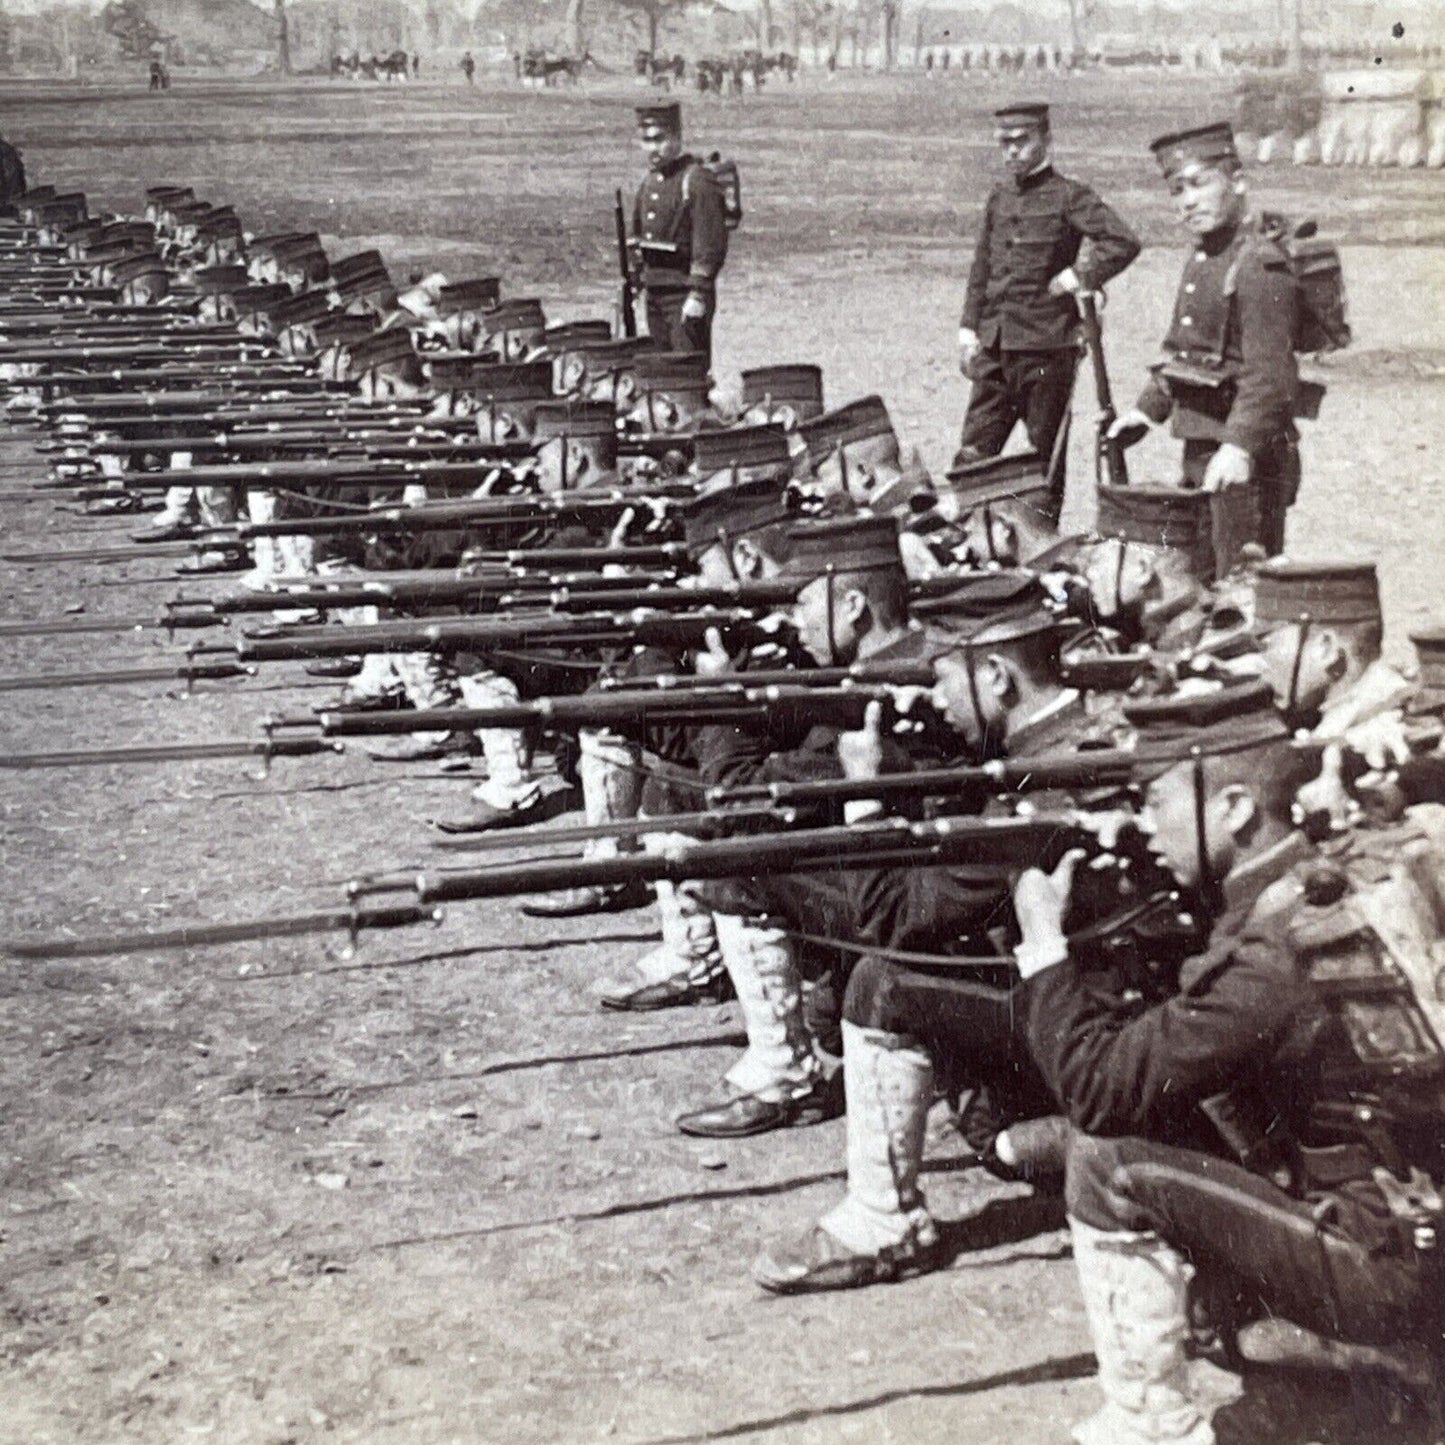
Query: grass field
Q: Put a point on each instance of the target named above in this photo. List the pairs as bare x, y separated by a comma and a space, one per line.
273, 1192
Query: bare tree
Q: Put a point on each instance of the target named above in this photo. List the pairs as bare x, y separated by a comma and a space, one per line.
283, 39
1081, 12
653, 14
891, 14
576, 29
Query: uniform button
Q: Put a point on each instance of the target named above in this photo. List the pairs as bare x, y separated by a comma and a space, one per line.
1200, 256
1186, 321
1189, 289
651, 214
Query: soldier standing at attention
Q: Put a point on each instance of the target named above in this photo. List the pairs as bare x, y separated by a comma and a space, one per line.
1228, 376
680, 234
1044, 240
12, 174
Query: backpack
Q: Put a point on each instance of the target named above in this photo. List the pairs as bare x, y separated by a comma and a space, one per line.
1320, 322
725, 173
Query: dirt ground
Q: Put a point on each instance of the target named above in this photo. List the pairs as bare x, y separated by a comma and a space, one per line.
427, 1192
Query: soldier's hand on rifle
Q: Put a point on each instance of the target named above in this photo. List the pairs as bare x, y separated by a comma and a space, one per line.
711, 659
1040, 900
1066, 283
694, 308
1380, 740
1133, 426
861, 753
1229, 467
1324, 805
618, 535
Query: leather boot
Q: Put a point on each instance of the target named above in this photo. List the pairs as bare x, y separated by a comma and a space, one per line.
882, 1229
779, 1080
686, 967
1135, 1289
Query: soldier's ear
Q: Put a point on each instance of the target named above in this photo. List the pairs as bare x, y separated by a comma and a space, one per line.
1329, 647
1241, 812
997, 678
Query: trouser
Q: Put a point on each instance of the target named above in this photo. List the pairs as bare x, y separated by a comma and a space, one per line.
670, 330
277, 556
811, 906
1339, 1270
1034, 387
1256, 512
974, 1029
511, 785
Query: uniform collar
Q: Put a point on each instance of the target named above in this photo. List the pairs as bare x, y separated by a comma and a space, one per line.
1035, 178
1246, 883
671, 168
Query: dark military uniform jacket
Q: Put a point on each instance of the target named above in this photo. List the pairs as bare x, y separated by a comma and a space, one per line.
1032, 230
1260, 1055
1229, 373
679, 225
12, 174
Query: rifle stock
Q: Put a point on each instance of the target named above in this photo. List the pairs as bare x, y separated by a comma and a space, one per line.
1108, 451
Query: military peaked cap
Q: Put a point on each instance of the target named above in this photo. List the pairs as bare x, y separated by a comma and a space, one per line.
391, 346
981, 597
1208, 145
523, 314
747, 448
301, 310
717, 515
672, 371
1021, 477
1022, 112
1429, 645
1154, 516
361, 275
479, 294
859, 421
1287, 591
664, 116
1230, 719
342, 328
571, 417
512, 381
223, 221
251, 300
146, 263
609, 358
797, 385
70, 203
219, 280
163, 195
568, 333
862, 543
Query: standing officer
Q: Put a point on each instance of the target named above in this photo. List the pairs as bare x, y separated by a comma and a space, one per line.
680, 235
1228, 375
12, 174
1045, 240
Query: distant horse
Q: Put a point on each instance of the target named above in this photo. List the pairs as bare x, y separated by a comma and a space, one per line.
552, 70
660, 70
396, 66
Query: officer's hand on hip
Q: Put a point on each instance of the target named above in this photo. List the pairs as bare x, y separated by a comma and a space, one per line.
967, 349
695, 307
1066, 283
1228, 467
1130, 428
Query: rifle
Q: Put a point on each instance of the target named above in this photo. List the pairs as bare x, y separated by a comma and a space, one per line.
1108, 451
629, 713
628, 294
600, 630
1007, 844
